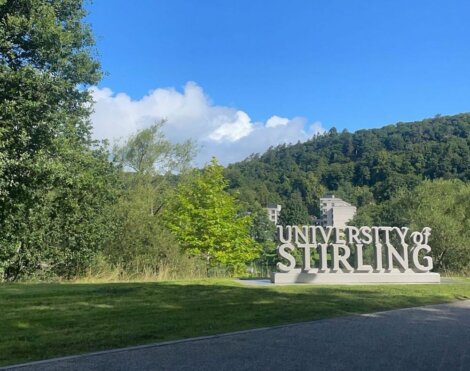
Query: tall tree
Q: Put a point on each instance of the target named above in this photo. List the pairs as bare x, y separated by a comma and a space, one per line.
55, 183
207, 221
263, 231
149, 152
443, 205
294, 212
142, 242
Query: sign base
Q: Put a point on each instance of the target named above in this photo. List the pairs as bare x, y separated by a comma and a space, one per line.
327, 278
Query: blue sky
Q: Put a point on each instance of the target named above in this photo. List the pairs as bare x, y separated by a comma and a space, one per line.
219, 71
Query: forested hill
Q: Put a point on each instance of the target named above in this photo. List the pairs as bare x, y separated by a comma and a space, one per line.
362, 167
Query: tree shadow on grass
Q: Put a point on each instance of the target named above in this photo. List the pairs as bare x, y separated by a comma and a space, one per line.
48, 320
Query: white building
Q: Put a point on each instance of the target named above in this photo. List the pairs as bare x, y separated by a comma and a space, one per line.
273, 212
335, 212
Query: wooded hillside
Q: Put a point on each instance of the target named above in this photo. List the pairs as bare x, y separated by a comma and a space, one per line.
364, 167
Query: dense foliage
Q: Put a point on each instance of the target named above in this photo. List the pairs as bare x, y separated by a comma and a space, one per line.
364, 167
141, 242
208, 222
443, 205
55, 183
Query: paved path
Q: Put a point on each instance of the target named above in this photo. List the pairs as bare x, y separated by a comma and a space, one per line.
426, 338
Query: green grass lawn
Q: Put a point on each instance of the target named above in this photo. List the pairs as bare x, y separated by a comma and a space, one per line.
40, 321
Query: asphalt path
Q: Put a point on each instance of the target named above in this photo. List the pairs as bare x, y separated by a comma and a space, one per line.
435, 337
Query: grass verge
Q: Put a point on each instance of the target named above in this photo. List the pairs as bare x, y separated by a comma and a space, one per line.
40, 321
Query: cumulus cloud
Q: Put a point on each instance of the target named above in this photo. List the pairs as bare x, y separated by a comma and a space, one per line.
224, 132
232, 131
274, 121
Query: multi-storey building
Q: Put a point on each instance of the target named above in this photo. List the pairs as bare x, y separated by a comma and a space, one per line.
335, 212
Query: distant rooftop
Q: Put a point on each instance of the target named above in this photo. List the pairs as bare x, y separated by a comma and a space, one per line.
337, 202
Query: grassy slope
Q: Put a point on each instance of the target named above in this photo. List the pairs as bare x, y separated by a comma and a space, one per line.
40, 321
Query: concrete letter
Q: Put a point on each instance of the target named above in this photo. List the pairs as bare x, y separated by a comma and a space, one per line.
281, 250
426, 233
402, 233
378, 256
428, 259
417, 238
300, 233
313, 234
306, 261
338, 233
376, 231
343, 259
353, 235
280, 234
323, 256
360, 266
393, 253
366, 233
326, 236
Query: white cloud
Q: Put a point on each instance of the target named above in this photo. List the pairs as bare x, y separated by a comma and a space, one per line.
235, 130
224, 132
274, 121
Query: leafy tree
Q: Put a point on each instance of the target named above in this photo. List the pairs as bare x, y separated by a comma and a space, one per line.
148, 152
207, 221
294, 212
142, 243
263, 231
359, 196
55, 183
442, 205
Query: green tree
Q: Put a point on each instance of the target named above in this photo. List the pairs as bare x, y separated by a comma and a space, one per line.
442, 205
148, 152
358, 196
207, 221
263, 231
294, 212
55, 183
142, 243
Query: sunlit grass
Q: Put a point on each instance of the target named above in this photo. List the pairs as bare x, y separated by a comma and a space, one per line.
467, 279
48, 320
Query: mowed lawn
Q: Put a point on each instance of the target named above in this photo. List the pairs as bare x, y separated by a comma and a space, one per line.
39, 321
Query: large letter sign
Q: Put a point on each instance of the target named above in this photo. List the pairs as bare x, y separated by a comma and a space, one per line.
314, 254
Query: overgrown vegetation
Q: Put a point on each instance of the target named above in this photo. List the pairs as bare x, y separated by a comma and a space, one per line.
65, 209
444, 206
56, 184
141, 244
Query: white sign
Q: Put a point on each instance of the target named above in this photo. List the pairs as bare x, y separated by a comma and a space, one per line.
338, 255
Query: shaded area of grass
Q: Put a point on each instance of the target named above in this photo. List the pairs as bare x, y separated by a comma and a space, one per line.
41, 321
